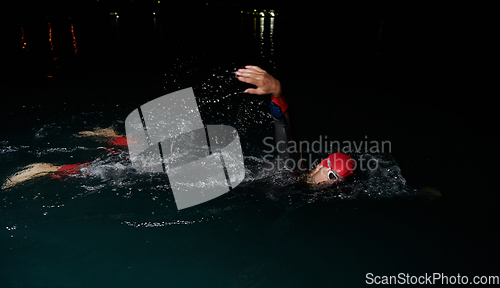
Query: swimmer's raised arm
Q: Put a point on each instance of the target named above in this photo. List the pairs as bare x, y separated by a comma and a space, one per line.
335, 167
266, 83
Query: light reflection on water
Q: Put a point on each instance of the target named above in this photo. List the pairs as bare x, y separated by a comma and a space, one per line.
64, 37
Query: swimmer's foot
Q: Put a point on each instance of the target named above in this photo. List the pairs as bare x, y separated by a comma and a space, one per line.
105, 133
29, 172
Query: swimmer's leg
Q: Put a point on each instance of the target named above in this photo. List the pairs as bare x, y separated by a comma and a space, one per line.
29, 172
104, 133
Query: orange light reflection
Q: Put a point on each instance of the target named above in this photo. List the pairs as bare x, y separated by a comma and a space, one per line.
23, 41
50, 38
74, 39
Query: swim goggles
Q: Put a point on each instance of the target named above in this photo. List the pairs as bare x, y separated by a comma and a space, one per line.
332, 174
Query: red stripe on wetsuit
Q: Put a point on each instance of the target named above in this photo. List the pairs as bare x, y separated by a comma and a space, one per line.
280, 101
72, 169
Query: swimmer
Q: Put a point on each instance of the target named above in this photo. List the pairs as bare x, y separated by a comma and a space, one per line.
334, 168
109, 135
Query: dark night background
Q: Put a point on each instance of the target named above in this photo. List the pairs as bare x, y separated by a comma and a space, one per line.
420, 83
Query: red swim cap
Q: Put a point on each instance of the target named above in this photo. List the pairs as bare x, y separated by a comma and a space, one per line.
340, 163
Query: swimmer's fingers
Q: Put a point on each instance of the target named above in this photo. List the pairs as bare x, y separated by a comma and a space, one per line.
249, 78
250, 71
255, 82
243, 73
265, 82
255, 68
257, 91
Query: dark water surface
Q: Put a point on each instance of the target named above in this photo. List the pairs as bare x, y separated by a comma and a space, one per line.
348, 78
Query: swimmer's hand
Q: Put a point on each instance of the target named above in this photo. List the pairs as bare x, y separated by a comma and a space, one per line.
266, 84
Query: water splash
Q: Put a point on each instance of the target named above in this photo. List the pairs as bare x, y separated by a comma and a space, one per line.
110, 176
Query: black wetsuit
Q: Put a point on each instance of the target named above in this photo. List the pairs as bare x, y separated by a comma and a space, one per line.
287, 157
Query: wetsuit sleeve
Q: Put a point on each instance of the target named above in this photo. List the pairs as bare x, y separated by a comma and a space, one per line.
278, 106
283, 132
